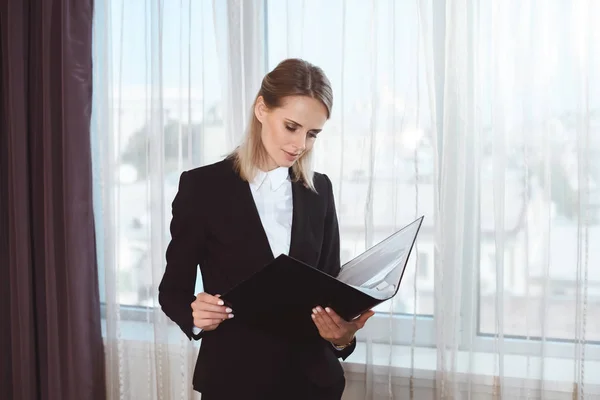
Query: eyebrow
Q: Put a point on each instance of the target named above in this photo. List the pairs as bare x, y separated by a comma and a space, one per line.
300, 125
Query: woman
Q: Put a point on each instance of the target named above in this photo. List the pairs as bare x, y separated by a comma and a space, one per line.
234, 217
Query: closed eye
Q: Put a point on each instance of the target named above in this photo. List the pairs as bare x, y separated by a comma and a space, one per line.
293, 126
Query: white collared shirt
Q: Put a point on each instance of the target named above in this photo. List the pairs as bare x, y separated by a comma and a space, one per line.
272, 193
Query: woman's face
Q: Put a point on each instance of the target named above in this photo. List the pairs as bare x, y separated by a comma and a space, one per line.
290, 130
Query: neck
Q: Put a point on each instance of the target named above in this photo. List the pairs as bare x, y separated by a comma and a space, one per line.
268, 165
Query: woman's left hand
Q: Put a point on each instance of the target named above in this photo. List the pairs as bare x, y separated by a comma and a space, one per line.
334, 328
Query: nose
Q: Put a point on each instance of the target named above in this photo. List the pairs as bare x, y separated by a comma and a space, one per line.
299, 143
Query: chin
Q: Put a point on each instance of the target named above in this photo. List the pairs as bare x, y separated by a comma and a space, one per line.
287, 163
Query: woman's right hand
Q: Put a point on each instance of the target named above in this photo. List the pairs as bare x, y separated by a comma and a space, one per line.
209, 311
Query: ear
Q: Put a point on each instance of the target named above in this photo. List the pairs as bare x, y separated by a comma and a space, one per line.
260, 109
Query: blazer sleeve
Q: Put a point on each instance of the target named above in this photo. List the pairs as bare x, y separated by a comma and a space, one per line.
329, 260
176, 289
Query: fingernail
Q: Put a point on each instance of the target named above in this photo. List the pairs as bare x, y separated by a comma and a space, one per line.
328, 309
221, 302
312, 316
228, 310
230, 315
314, 310
319, 309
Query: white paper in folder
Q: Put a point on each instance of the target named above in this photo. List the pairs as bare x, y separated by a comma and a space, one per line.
377, 271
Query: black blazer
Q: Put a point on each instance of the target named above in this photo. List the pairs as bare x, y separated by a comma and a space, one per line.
216, 225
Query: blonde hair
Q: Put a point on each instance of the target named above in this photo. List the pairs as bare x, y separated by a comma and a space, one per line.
291, 77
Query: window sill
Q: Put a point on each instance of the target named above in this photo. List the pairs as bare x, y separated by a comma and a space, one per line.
558, 373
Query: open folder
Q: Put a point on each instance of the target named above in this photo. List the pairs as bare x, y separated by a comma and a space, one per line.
280, 297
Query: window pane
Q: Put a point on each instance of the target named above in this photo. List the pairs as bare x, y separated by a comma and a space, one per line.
543, 117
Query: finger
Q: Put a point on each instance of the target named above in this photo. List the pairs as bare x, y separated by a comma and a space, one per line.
207, 298
211, 315
326, 319
201, 306
366, 315
316, 321
323, 331
323, 328
329, 320
339, 321
362, 319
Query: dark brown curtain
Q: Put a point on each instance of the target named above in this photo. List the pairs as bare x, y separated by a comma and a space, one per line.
50, 335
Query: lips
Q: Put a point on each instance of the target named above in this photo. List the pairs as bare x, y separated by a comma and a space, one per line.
291, 155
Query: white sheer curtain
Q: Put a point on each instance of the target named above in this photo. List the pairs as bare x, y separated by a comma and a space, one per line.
518, 274
240, 37
158, 110
482, 115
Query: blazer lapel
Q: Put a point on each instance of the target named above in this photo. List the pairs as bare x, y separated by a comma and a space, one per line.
245, 216
302, 223
249, 222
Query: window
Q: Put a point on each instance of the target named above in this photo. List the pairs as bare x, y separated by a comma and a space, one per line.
539, 266
543, 211
424, 267
384, 174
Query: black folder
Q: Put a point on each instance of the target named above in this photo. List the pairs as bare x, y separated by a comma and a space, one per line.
280, 297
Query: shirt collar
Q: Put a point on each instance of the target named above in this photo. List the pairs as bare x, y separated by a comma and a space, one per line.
275, 178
